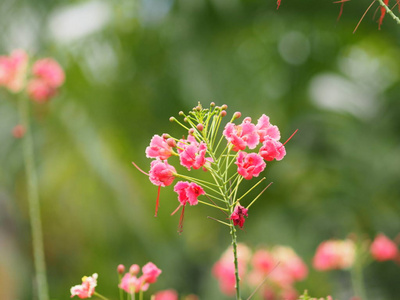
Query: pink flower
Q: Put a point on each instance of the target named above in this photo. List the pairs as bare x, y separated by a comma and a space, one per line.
266, 129
166, 295
249, 164
13, 70
40, 91
290, 263
132, 284
224, 269
150, 272
191, 153
242, 135
161, 173
334, 254
158, 148
49, 71
382, 248
86, 289
272, 149
263, 261
187, 192
238, 215
18, 131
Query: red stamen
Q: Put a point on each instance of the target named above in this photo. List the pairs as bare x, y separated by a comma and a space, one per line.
341, 7
140, 169
383, 13
278, 3
290, 137
180, 226
158, 200
179, 206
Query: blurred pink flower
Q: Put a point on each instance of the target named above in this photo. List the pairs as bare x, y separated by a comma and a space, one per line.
249, 164
150, 272
49, 71
132, 284
161, 173
13, 70
86, 289
238, 215
18, 131
158, 148
382, 248
266, 129
224, 268
272, 149
334, 254
166, 295
242, 135
40, 91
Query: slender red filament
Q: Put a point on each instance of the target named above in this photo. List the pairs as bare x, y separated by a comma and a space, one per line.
179, 206
180, 226
158, 200
290, 137
140, 169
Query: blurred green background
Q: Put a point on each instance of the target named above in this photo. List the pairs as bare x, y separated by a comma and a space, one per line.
130, 65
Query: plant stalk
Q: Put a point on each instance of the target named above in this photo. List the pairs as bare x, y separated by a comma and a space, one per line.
33, 202
235, 260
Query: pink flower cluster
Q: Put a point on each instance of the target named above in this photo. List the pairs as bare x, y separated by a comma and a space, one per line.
250, 135
172, 295
280, 266
46, 75
86, 289
130, 283
341, 254
335, 254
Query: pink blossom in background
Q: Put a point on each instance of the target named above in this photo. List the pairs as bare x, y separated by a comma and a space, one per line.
191, 153
224, 268
382, 248
13, 70
158, 148
238, 215
49, 71
18, 131
242, 136
334, 254
292, 265
166, 295
263, 261
132, 284
40, 91
272, 149
266, 129
86, 289
161, 173
249, 164
150, 272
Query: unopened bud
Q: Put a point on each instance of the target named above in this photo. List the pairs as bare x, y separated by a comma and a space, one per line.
223, 113
171, 142
181, 113
224, 107
212, 104
121, 269
237, 115
172, 119
134, 269
165, 136
191, 131
185, 120
200, 127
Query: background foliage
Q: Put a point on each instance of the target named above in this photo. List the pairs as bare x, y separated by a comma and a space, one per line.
130, 65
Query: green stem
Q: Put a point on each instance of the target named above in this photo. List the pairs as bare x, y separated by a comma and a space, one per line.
100, 296
357, 281
235, 260
389, 11
33, 202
